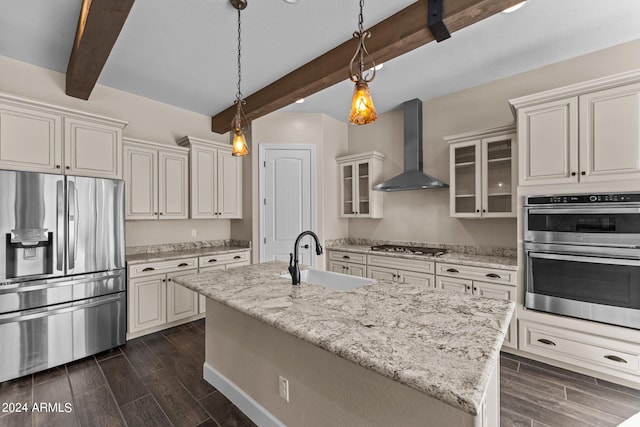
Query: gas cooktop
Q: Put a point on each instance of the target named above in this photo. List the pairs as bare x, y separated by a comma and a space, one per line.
415, 250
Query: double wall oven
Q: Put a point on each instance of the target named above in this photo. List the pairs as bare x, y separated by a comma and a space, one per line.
583, 256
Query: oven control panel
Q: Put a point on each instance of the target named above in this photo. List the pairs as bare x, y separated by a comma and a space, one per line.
583, 198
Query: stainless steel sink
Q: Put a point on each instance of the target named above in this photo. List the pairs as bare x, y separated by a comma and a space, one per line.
328, 279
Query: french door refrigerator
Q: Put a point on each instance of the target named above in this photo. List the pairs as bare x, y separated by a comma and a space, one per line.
62, 269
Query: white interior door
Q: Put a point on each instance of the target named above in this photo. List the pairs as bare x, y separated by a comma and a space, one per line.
287, 201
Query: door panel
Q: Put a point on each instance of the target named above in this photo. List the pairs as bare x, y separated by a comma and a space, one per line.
287, 205
95, 220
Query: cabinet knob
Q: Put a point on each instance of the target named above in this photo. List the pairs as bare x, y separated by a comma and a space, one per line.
478, 210
67, 167
161, 213
475, 289
583, 173
573, 174
484, 210
468, 287
57, 166
155, 213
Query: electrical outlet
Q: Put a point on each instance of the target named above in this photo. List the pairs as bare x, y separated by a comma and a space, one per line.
194, 232
283, 388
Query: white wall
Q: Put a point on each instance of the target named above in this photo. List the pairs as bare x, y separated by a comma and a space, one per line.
424, 215
330, 138
148, 120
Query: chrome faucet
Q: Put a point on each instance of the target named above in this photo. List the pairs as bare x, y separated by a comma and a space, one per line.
294, 269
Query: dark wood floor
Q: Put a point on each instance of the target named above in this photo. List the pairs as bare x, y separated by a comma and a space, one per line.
157, 380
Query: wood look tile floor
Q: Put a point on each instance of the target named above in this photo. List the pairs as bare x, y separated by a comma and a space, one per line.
156, 380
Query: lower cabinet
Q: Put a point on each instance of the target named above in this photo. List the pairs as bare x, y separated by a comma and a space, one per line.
482, 281
401, 270
156, 301
351, 263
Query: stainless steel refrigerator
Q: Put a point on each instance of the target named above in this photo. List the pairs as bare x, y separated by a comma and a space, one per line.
62, 269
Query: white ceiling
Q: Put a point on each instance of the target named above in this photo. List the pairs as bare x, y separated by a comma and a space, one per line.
182, 52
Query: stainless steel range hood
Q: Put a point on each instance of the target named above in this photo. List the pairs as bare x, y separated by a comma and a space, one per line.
412, 178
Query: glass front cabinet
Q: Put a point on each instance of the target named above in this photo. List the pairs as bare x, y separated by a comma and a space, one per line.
483, 173
358, 174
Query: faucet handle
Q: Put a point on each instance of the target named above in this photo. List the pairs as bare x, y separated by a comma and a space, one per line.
290, 259
319, 249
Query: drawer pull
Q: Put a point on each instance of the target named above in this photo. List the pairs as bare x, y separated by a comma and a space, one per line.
237, 257
346, 257
615, 358
546, 341
183, 264
452, 270
493, 275
148, 269
213, 260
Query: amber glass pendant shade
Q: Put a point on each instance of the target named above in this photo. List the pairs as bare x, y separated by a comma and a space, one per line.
362, 109
239, 145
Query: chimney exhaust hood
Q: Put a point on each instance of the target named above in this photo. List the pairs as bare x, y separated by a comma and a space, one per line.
412, 178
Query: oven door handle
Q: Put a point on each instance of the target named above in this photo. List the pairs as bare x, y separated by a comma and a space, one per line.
580, 211
579, 258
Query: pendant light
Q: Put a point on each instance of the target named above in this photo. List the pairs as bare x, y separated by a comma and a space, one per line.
362, 108
239, 123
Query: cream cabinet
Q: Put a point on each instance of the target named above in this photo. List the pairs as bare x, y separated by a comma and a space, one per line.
588, 132
401, 270
483, 281
215, 178
39, 137
156, 177
350, 263
222, 261
483, 173
147, 302
358, 174
181, 302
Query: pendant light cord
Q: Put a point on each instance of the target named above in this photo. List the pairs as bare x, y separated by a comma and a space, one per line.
239, 94
361, 51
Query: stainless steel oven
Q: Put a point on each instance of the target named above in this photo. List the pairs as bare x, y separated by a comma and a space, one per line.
583, 256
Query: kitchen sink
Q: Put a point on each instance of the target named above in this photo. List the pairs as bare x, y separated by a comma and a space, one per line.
328, 279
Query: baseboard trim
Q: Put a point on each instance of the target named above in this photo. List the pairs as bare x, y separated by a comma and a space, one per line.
252, 409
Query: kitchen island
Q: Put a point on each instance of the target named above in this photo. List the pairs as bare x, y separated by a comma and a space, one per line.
383, 354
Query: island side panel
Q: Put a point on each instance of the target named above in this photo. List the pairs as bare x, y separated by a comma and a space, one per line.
324, 389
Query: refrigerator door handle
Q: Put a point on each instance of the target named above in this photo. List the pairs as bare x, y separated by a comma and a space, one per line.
73, 223
60, 225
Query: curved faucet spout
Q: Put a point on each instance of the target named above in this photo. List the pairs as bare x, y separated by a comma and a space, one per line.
294, 269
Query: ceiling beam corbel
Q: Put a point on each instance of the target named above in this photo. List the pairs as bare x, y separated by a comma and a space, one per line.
390, 38
99, 26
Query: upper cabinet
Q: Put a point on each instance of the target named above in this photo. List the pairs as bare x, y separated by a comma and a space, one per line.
358, 174
588, 132
216, 179
156, 177
483, 173
39, 137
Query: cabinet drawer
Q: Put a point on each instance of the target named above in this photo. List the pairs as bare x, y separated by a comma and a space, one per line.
494, 275
422, 266
578, 348
348, 257
223, 258
146, 269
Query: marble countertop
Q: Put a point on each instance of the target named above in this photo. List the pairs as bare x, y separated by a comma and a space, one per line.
441, 343
180, 254
507, 263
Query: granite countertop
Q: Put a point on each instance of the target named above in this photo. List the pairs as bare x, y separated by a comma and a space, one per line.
441, 343
180, 254
491, 261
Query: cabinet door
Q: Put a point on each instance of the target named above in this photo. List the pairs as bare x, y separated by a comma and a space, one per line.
229, 185
348, 197
499, 177
181, 302
147, 302
454, 284
92, 149
362, 184
30, 140
338, 267
465, 200
356, 270
548, 142
610, 134
203, 182
416, 278
494, 290
141, 178
173, 185
381, 273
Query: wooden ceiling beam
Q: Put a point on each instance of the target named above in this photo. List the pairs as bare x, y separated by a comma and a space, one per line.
396, 35
98, 29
